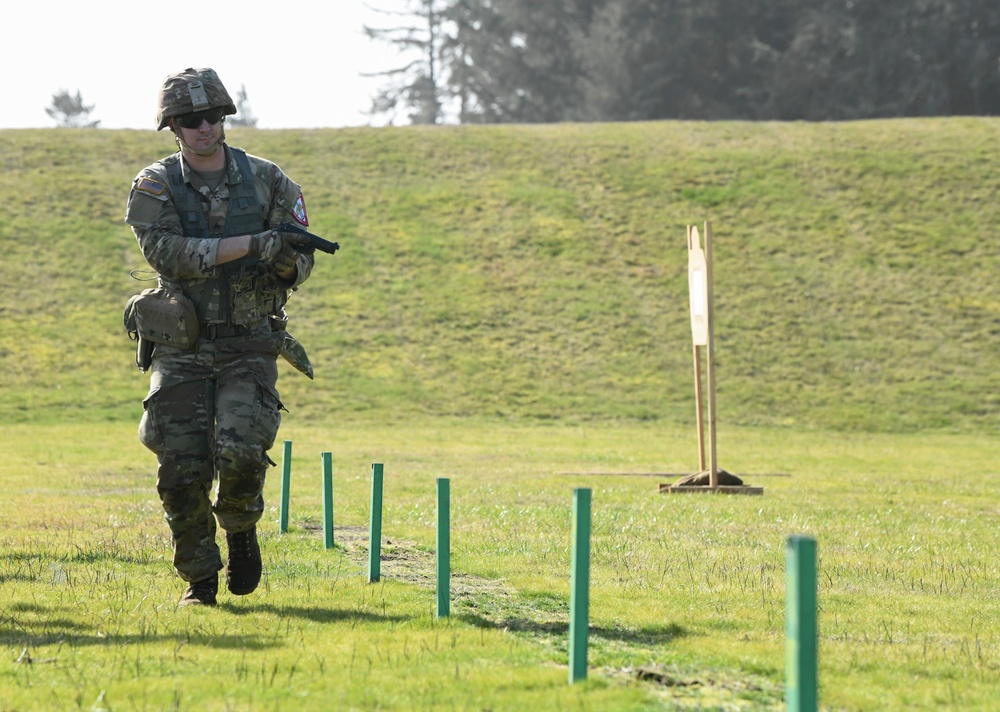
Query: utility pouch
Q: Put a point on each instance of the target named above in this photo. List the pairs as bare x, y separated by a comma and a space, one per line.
143, 347
143, 353
162, 317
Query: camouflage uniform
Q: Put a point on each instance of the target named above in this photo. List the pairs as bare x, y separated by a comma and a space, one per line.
213, 411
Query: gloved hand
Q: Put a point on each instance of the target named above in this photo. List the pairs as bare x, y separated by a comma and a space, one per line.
286, 258
272, 245
265, 245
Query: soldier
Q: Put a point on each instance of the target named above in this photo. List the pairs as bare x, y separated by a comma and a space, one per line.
205, 220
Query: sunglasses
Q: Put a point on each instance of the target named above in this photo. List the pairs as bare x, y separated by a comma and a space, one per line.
193, 121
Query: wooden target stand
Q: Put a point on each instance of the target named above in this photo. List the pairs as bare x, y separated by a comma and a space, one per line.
709, 477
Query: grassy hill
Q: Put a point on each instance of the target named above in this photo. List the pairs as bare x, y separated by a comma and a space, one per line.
540, 272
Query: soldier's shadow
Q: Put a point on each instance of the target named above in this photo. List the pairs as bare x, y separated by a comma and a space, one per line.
63, 631
316, 614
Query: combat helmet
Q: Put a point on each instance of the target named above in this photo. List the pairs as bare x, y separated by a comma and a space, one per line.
189, 91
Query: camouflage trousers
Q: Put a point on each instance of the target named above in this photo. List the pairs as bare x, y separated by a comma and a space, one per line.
211, 413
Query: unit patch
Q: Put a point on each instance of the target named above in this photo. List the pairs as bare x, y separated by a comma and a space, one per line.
299, 210
148, 185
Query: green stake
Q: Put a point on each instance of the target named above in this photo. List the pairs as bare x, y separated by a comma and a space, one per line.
327, 499
800, 625
443, 548
286, 483
375, 528
580, 596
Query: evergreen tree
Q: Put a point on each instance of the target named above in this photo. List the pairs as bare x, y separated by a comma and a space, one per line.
418, 86
600, 60
519, 60
876, 60
244, 113
70, 112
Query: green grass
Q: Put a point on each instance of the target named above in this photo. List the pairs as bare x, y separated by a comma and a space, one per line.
539, 272
509, 309
687, 589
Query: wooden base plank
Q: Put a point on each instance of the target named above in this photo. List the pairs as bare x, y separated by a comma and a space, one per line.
705, 489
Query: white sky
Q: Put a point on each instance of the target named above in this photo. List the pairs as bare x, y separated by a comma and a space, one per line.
300, 61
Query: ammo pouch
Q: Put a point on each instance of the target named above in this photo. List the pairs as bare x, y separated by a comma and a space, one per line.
161, 317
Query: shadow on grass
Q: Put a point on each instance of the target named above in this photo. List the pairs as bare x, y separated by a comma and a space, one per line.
17, 577
647, 635
316, 615
80, 556
87, 556
65, 632
68, 634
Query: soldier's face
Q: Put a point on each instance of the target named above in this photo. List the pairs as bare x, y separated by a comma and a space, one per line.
203, 137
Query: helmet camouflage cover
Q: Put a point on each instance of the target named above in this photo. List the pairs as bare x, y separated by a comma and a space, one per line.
189, 91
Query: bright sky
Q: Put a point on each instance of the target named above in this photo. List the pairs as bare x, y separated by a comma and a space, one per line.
301, 62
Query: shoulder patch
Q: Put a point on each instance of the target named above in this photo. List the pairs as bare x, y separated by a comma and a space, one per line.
151, 186
299, 210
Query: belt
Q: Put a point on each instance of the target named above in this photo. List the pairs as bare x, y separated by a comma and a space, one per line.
211, 332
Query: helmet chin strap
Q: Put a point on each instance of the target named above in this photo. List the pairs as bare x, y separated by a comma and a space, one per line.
203, 151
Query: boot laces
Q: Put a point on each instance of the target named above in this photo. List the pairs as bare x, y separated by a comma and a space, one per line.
241, 545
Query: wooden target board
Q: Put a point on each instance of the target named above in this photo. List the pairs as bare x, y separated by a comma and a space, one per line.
700, 282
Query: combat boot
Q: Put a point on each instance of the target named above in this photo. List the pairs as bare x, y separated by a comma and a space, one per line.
243, 568
201, 593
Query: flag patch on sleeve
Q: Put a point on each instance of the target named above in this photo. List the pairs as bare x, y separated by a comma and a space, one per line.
148, 185
299, 210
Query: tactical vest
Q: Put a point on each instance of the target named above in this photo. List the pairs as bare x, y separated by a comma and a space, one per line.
238, 293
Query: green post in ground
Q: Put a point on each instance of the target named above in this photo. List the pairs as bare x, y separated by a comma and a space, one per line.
443, 547
800, 625
580, 597
286, 483
327, 499
375, 527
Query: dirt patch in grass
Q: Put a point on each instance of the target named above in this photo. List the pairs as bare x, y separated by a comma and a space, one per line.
708, 688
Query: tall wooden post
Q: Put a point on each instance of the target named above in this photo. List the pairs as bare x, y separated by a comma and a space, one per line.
713, 460
700, 285
702, 335
699, 413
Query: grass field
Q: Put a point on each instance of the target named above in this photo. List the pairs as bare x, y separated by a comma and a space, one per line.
509, 309
686, 590
539, 272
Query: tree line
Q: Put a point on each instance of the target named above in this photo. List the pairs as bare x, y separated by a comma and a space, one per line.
529, 61
70, 111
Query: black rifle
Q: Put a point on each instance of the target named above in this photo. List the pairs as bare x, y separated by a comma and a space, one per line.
315, 241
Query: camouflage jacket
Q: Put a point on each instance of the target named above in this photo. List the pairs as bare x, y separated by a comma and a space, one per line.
179, 233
